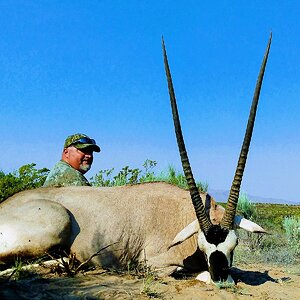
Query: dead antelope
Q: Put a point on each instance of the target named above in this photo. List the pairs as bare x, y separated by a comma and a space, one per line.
144, 222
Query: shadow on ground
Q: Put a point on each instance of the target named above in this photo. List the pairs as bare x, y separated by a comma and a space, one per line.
254, 278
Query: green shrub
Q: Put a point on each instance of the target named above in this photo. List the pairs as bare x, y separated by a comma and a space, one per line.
174, 177
27, 177
125, 176
291, 225
148, 175
134, 176
102, 178
246, 207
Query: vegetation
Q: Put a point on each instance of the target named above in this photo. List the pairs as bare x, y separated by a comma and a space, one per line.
125, 176
26, 178
29, 177
226, 285
291, 227
21, 270
246, 207
18, 272
271, 216
281, 245
148, 287
128, 175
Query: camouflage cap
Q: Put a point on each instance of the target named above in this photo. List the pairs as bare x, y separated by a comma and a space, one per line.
81, 141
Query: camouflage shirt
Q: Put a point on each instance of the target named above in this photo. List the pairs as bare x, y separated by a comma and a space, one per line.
63, 174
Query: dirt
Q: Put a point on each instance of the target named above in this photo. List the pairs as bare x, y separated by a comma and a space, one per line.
253, 282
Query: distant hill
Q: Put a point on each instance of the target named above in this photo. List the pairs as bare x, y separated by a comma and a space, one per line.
222, 196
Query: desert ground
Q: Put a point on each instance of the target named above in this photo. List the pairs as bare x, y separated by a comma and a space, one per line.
255, 281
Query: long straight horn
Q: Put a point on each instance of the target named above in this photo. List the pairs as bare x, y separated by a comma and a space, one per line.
227, 221
204, 221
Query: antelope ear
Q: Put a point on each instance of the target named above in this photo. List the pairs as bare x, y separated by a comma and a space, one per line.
248, 225
185, 233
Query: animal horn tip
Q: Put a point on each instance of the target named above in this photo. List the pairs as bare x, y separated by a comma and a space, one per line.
163, 43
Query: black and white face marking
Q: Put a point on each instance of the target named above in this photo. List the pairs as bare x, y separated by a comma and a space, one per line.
218, 246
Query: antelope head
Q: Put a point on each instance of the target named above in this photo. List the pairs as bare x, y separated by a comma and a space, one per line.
216, 241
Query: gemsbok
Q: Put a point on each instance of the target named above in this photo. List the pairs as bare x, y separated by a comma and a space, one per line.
156, 223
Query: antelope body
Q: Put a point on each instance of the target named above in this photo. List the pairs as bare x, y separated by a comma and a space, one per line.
141, 217
138, 221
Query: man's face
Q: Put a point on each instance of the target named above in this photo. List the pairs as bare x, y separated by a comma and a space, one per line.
79, 159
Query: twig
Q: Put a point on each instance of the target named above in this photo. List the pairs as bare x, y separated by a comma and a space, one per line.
89, 259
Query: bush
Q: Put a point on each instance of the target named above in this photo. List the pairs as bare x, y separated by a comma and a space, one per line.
148, 175
176, 178
125, 176
27, 177
246, 207
261, 248
291, 225
134, 176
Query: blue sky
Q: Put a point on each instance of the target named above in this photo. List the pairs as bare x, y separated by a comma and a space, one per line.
96, 67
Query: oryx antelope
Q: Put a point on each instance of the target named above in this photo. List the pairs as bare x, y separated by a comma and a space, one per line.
152, 222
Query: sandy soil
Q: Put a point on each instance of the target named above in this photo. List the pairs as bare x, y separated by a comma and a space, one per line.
253, 282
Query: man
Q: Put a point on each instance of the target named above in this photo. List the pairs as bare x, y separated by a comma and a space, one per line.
76, 160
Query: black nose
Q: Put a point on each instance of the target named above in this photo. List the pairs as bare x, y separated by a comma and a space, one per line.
218, 266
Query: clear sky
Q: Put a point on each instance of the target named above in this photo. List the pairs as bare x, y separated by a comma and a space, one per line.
96, 67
